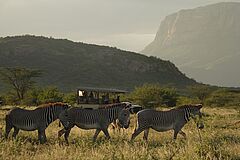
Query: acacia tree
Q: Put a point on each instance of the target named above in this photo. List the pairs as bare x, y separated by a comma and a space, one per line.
19, 79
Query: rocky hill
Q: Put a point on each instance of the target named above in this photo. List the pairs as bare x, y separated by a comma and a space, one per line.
203, 42
68, 64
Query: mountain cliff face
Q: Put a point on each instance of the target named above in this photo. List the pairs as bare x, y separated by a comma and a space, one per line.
203, 42
68, 64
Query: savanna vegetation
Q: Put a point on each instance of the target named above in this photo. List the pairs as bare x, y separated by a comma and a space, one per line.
220, 139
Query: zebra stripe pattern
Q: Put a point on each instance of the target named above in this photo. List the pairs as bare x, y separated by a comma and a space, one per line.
98, 119
166, 120
30, 120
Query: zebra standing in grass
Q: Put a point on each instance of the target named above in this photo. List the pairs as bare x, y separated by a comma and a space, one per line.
133, 110
116, 124
166, 120
30, 120
98, 119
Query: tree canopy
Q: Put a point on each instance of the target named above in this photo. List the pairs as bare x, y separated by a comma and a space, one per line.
19, 79
153, 95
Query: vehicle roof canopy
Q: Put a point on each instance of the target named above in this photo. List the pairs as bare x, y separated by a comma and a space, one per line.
102, 90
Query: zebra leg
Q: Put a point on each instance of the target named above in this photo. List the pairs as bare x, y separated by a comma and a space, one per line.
8, 129
120, 130
42, 136
16, 130
183, 134
177, 129
136, 133
96, 134
66, 135
145, 136
105, 131
9, 126
61, 132
175, 134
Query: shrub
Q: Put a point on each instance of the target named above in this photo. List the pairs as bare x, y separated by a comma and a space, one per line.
70, 98
50, 94
11, 98
153, 95
182, 100
32, 97
200, 91
223, 97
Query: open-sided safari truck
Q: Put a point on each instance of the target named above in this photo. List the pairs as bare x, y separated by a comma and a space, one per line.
93, 98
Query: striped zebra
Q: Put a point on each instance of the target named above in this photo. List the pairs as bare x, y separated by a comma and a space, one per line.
116, 124
133, 110
166, 120
30, 120
98, 119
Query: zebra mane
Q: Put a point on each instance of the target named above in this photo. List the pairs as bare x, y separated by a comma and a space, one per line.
52, 104
189, 106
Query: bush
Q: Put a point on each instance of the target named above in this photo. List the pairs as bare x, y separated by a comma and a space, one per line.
70, 98
32, 97
11, 98
37, 96
223, 97
50, 94
200, 91
153, 95
182, 100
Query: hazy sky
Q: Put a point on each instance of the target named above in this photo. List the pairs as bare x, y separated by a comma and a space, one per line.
125, 24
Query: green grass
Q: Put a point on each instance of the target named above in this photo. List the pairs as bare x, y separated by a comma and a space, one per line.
220, 139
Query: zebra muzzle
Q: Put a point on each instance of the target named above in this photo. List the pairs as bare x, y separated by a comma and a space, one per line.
127, 125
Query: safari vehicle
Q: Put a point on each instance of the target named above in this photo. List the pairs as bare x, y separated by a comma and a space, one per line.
93, 98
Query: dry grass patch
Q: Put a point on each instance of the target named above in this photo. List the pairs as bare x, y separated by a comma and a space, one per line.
220, 140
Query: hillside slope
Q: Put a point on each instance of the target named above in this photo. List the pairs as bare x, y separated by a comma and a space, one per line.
68, 64
203, 42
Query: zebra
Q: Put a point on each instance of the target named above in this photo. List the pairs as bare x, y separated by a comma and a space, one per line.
133, 110
30, 120
98, 119
166, 120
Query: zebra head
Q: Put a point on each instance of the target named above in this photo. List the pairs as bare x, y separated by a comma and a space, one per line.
63, 117
60, 107
196, 114
124, 118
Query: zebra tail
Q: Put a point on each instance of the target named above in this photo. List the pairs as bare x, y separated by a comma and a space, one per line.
8, 119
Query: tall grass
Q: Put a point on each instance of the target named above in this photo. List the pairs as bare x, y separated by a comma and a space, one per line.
220, 139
